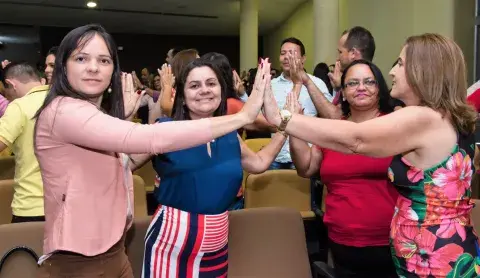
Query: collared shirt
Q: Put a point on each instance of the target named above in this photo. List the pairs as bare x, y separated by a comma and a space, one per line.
16, 131
281, 87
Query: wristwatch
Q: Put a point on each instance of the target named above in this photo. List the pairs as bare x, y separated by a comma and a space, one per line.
285, 116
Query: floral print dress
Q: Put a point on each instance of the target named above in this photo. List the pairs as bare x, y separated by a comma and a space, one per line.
431, 233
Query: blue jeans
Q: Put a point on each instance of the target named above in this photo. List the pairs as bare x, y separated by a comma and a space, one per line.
282, 166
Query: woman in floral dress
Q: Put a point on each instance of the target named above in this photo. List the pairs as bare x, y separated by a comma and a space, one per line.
433, 144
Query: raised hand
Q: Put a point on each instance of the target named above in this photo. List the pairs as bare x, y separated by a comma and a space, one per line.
336, 76
131, 99
5, 63
292, 104
166, 76
255, 101
270, 107
238, 84
136, 82
297, 74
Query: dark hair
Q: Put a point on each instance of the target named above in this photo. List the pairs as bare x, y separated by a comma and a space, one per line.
384, 100
112, 103
180, 110
362, 40
251, 79
321, 71
22, 71
181, 59
53, 51
294, 41
221, 61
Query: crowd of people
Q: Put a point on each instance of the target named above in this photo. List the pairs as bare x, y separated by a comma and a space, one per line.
397, 162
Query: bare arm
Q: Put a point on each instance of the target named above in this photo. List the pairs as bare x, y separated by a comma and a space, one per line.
398, 132
138, 160
305, 158
166, 100
256, 163
324, 107
81, 123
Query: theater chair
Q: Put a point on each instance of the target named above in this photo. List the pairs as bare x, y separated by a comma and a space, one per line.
267, 242
279, 188
20, 246
7, 167
6, 197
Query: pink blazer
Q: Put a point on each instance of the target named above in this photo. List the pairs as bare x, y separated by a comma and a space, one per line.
87, 183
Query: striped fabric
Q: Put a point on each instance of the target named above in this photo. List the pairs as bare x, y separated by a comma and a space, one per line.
186, 245
3, 105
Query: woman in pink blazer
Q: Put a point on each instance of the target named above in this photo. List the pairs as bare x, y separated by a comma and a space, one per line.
80, 141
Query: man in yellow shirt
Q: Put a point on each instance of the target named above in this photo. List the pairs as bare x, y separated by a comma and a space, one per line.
23, 86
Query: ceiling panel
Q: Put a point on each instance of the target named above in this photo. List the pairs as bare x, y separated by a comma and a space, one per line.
188, 17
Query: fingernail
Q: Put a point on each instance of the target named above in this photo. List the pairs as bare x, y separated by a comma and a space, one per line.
139, 92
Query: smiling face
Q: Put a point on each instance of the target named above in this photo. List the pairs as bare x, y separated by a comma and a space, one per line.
90, 69
203, 92
400, 87
361, 89
49, 66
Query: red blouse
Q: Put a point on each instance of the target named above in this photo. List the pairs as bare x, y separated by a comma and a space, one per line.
360, 201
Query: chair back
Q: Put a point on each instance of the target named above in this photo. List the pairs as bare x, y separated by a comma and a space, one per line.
20, 246
7, 167
267, 242
6, 197
279, 188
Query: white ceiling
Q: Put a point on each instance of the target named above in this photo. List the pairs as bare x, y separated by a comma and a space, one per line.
204, 17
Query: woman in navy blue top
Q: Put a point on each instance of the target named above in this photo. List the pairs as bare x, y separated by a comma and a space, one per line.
189, 231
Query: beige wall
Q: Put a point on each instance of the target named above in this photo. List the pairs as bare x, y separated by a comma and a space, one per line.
390, 21
299, 25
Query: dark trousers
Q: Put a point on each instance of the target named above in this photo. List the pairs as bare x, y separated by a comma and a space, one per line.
112, 264
362, 262
21, 219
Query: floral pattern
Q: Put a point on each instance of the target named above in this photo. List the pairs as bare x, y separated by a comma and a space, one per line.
431, 233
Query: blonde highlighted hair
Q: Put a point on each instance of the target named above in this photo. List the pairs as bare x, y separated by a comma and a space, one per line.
436, 72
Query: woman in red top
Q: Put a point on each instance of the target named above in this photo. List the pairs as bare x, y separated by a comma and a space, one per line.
360, 202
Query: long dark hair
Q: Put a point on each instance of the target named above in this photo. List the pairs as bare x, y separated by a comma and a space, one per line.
384, 99
321, 71
221, 61
180, 110
112, 103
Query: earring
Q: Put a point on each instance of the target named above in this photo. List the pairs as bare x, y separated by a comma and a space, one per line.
109, 90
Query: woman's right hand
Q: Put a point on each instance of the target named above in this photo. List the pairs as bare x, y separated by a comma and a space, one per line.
166, 76
292, 104
255, 101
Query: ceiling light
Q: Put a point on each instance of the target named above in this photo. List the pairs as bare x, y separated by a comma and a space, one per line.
91, 4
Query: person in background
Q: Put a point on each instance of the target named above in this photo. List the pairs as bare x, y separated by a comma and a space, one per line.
180, 60
360, 200
50, 64
23, 86
321, 71
84, 116
170, 54
3, 101
432, 140
283, 84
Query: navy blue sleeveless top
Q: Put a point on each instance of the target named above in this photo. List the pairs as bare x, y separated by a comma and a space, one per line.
192, 181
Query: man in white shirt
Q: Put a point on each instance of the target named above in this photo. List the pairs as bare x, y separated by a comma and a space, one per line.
282, 85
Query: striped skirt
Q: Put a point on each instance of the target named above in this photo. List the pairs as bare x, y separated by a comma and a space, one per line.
182, 244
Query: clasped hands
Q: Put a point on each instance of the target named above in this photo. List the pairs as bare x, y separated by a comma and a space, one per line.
262, 98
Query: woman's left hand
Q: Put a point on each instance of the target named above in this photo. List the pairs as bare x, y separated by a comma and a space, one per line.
131, 99
292, 104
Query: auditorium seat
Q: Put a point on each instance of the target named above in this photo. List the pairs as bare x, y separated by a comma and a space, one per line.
21, 263
7, 167
279, 188
147, 173
6, 197
267, 242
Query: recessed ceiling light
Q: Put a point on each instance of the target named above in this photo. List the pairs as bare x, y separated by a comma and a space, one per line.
91, 4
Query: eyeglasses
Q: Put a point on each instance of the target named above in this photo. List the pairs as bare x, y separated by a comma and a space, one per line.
354, 83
